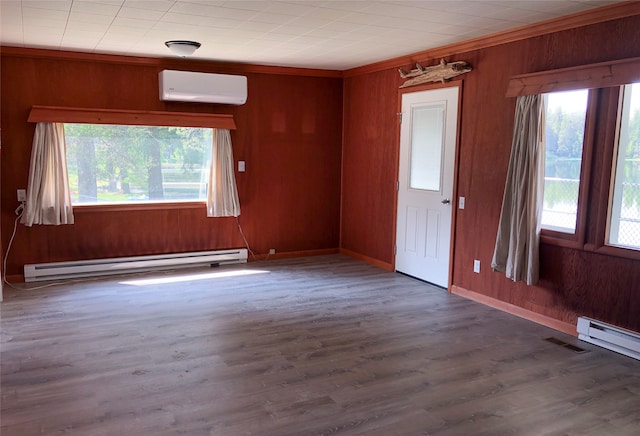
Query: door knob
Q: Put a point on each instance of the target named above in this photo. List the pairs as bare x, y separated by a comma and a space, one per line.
446, 201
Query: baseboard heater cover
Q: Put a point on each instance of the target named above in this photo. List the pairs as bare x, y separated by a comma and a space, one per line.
122, 265
608, 336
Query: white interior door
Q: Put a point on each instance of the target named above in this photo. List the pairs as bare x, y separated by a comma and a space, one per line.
425, 184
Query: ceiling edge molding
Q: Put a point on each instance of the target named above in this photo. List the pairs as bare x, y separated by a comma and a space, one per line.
567, 22
169, 63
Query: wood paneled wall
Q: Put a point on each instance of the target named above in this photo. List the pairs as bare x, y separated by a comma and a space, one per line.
574, 282
288, 132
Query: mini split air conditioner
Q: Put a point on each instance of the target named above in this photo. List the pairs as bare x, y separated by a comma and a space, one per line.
202, 87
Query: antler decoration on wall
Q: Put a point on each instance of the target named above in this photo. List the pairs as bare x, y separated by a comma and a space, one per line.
437, 73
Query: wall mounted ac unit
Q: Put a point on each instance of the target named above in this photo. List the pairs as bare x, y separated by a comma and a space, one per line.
202, 87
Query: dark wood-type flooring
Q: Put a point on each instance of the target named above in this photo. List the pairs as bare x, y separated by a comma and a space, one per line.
321, 345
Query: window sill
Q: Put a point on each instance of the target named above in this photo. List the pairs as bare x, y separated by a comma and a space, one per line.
128, 207
607, 250
611, 250
567, 240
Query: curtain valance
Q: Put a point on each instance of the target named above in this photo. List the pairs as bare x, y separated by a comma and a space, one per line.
53, 114
600, 75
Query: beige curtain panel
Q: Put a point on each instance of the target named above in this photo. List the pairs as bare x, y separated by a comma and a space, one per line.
48, 196
517, 244
222, 193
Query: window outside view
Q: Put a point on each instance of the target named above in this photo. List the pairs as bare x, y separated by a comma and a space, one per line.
624, 212
565, 116
133, 164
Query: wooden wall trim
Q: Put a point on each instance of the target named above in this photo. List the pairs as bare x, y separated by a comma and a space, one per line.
173, 63
371, 261
592, 16
600, 75
129, 117
290, 254
553, 323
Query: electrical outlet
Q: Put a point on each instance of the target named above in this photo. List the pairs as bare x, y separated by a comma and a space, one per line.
22, 195
241, 166
272, 251
476, 266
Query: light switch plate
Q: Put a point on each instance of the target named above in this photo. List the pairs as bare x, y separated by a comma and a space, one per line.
461, 203
241, 166
476, 266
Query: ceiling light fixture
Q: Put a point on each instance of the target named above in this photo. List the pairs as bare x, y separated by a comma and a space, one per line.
182, 48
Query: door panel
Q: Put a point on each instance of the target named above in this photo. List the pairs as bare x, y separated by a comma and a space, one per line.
425, 183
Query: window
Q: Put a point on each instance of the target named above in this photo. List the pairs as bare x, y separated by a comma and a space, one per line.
133, 164
565, 117
604, 216
624, 207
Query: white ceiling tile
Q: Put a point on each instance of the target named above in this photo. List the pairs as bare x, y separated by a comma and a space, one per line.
289, 29
328, 14
307, 40
10, 19
565, 8
173, 17
290, 8
45, 41
49, 15
106, 46
343, 26
150, 5
126, 32
32, 24
107, 2
90, 18
129, 22
533, 17
72, 34
346, 5
373, 30
267, 17
116, 39
175, 30
212, 11
11, 35
362, 18
534, 5
83, 26
255, 6
323, 34
221, 23
240, 36
257, 26
57, 5
95, 8
141, 14
512, 14
393, 10
308, 21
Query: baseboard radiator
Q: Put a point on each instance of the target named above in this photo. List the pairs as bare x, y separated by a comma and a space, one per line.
605, 335
122, 265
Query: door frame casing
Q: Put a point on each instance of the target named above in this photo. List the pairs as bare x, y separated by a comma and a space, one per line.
454, 199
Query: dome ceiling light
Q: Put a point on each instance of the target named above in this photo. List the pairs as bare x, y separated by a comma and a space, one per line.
182, 48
